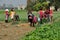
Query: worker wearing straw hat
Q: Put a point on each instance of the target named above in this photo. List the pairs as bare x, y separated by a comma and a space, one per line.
7, 15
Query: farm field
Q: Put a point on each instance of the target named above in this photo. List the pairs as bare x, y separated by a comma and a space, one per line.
22, 31
48, 31
16, 30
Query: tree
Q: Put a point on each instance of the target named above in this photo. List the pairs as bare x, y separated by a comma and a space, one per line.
37, 7
36, 4
39, 4
30, 3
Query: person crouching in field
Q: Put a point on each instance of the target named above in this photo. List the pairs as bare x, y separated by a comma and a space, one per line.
32, 19
7, 15
12, 14
16, 17
41, 14
29, 12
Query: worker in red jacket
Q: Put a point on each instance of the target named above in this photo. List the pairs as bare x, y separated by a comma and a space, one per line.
41, 14
47, 12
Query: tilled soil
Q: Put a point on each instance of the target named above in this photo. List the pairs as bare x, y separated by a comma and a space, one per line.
14, 32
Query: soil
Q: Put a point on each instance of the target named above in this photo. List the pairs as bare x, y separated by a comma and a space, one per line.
14, 32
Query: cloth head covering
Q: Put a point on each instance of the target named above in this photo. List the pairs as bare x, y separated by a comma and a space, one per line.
6, 10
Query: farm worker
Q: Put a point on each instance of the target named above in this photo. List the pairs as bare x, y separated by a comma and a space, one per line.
7, 15
47, 12
29, 12
16, 17
12, 14
51, 14
35, 20
41, 14
30, 18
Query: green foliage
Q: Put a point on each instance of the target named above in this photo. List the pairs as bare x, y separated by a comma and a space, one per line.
44, 4
57, 3
45, 32
41, 1
38, 5
35, 5
48, 31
